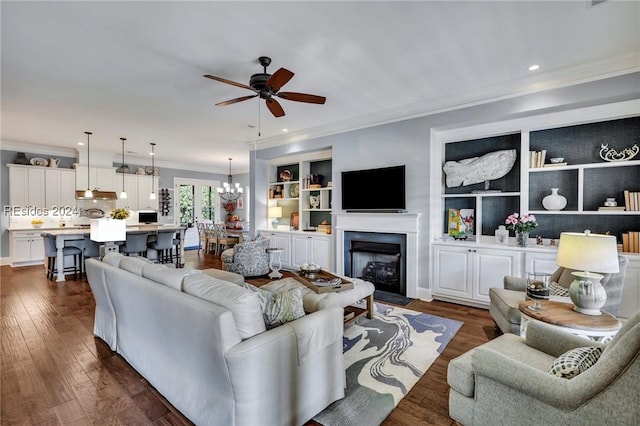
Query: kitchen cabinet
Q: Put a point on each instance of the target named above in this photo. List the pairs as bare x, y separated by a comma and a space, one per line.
60, 189
27, 247
146, 184
138, 188
100, 178
464, 273
311, 248
27, 186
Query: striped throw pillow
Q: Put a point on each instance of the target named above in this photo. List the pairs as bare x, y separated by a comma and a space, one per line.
279, 307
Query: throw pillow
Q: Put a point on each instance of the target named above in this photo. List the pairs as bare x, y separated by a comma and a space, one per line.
575, 361
556, 289
279, 307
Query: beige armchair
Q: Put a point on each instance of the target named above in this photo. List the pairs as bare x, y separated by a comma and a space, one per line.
506, 381
503, 305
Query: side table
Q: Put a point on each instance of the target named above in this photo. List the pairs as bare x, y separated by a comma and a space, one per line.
600, 328
275, 263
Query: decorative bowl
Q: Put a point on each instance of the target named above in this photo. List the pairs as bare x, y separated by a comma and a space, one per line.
36, 225
309, 270
556, 160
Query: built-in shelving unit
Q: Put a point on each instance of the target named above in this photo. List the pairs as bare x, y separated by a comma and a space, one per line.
586, 181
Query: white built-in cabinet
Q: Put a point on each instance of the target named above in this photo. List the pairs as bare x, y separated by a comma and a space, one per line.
138, 188
280, 240
467, 273
302, 247
27, 186
311, 248
462, 271
60, 188
100, 178
27, 247
290, 188
41, 187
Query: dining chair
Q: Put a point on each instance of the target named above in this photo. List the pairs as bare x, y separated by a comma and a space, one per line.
223, 239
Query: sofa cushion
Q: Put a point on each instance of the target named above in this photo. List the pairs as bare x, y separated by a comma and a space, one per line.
134, 264
170, 277
224, 275
575, 361
279, 307
243, 304
113, 259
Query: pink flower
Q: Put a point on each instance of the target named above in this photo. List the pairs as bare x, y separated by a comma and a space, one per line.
524, 223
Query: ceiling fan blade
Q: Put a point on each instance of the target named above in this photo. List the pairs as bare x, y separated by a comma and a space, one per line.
302, 97
279, 79
236, 100
224, 80
275, 107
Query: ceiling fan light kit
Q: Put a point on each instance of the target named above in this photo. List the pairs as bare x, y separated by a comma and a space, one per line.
266, 86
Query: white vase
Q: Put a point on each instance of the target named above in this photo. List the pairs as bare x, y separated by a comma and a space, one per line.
554, 201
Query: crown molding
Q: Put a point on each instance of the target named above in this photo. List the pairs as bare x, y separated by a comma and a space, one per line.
526, 85
39, 149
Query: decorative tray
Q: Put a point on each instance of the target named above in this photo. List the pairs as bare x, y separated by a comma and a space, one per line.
325, 282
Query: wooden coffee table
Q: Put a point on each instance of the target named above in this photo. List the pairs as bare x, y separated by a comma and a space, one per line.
598, 328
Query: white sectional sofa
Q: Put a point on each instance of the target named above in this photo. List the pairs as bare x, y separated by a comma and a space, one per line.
202, 343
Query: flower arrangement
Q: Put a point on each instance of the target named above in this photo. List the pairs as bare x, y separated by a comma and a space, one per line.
120, 214
525, 223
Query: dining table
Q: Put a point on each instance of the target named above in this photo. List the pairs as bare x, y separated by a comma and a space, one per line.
77, 233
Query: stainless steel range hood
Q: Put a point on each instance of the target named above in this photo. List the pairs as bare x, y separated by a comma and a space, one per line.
97, 195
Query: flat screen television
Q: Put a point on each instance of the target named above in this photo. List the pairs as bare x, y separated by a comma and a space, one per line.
147, 217
371, 190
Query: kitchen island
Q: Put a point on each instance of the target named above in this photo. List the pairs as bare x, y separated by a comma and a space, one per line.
61, 235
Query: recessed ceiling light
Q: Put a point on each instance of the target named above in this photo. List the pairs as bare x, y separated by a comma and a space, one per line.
81, 143
534, 67
285, 130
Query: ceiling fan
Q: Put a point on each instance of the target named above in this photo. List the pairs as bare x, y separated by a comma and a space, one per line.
267, 86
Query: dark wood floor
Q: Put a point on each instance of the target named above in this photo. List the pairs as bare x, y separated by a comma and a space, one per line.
54, 371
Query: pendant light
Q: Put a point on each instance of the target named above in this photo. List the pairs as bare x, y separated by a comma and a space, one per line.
123, 194
152, 196
230, 192
88, 193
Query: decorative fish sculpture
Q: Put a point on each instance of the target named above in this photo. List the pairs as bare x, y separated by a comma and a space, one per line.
490, 166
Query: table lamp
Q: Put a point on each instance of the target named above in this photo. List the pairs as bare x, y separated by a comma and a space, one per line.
274, 213
107, 232
588, 252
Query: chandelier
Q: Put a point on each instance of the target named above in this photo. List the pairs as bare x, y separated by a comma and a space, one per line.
229, 191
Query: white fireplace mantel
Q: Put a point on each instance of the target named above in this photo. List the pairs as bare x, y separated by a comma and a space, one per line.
392, 223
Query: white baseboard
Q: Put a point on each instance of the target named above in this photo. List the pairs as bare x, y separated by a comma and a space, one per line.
425, 294
5, 261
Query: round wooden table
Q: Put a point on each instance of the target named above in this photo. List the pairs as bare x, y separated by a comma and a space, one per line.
598, 328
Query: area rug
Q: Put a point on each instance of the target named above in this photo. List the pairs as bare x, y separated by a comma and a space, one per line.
384, 357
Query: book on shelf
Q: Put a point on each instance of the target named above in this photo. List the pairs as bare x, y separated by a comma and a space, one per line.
618, 208
632, 200
555, 164
537, 158
631, 242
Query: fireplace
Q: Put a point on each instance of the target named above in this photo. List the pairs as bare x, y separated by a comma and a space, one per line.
404, 224
377, 257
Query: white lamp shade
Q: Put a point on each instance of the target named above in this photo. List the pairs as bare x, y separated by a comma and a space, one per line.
588, 252
104, 230
274, 212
